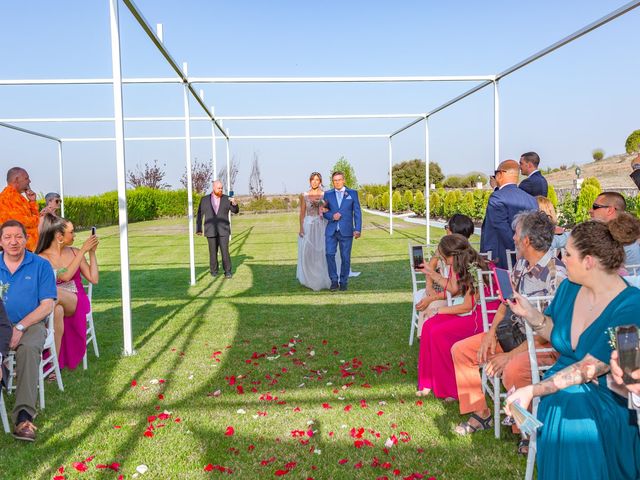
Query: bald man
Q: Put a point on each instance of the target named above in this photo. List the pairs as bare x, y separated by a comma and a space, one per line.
504, 203
214, 210
18, 202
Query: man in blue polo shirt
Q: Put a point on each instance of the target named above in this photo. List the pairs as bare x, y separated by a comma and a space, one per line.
29, 294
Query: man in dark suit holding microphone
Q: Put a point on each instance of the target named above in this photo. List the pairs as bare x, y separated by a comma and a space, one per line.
215, 209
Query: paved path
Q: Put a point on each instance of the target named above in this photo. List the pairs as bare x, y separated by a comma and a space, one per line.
409, 218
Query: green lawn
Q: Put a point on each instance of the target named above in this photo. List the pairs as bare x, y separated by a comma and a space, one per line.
283, 344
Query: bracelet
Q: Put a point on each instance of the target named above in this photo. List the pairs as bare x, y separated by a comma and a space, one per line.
538, 326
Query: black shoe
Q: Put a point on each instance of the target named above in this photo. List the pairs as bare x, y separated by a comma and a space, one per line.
334, 286
343, 287
214, 274
227, 275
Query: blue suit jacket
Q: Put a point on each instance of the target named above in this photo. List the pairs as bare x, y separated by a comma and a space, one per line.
351, 215
497, 235
535, 185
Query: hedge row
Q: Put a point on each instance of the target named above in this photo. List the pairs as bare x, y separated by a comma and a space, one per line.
147, 204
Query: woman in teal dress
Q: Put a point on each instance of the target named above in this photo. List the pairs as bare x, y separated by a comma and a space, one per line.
587, 431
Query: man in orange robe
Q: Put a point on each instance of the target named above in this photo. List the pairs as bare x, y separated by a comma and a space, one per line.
14, 205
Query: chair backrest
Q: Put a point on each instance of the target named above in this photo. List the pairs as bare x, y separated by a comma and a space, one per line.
488, 283
540, 302
511, 259
488, 256
633, 276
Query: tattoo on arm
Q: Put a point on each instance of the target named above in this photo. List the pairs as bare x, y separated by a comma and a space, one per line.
583, 371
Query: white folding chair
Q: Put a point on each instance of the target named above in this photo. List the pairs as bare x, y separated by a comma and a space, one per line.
91, 331
418, 286
490, 385
47, 365
540, 304
633, 275
3, 414
487, 255
511, 259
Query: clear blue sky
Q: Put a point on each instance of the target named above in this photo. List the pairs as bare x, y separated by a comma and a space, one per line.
579, 98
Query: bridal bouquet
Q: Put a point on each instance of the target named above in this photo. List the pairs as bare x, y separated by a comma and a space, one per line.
318, 203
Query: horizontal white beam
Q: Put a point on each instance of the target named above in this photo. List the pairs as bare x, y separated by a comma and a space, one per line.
386, 79
85, 81
181, 119
231, 137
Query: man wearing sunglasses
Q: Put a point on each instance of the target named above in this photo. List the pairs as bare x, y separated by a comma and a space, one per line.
504, 203
606, 207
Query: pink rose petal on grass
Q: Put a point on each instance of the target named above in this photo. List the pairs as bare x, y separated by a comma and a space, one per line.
80, 466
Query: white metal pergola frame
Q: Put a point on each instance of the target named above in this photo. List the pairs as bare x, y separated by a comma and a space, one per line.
217, 122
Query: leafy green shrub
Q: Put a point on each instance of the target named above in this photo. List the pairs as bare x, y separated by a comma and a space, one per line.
407, 199
597, 154
632, 145
480, 201
452, 201
419, 203
594, 182
467, 205
453, 181
173, 203
374, 189
385, 201
370, 200
378, 202
435, 204
587, 196
398, 203
553, 196
567, 211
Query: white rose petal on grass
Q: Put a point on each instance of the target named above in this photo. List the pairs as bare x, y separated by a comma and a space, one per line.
312, 353
142, 469
255, 417
388, 443
154, 381
340, 398
241, 411
273, 358
382, 402
310, 422
301, 385
190, 377
317, 451
329, 384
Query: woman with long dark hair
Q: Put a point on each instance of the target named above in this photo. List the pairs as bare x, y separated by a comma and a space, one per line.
451, 323
70, 313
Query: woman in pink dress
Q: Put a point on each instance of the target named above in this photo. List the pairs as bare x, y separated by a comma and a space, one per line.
72, 306
450, 323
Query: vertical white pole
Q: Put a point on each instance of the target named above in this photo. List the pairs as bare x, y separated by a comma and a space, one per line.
214, 160
427, 193
496, 125
121, 172
228, 163
390, 187
61, 172
187, 145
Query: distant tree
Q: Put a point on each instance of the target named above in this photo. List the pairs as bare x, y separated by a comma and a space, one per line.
255, 180
411, 175
147, 176
222, 173
632, 144
597, 154
586, 197
552, 196
592, 181
343, 165
419, 205
201, 176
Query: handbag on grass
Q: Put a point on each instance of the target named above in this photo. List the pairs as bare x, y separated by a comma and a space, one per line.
510, 331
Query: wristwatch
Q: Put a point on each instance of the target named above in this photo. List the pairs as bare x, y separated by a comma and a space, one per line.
20, 327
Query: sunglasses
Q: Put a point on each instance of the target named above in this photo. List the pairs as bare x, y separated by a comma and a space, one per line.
596, 206
498, 171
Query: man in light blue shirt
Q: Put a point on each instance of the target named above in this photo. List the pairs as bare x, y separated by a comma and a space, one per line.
29, 293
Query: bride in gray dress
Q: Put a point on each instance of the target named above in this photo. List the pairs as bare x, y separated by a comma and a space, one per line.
312, 263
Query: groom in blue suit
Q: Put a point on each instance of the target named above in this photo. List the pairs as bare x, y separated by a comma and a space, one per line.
345, 224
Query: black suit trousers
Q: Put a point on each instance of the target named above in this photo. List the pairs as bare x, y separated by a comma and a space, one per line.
221, 243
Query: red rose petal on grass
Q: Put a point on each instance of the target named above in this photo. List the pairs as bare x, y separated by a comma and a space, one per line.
151, 418
358, 465
251, 448
59, 477
148, 434
208, 467
160, 396
80, 466
230, 431
240, 389
396, 472
134, 383
419, 403
365, 385
117, 426
342, 461
326, 406
61, 469
324, 342
348, 408
379, 413
280, 473
363, 403
297, 409
87, 460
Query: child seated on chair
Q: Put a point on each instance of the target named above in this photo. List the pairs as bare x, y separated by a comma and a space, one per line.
437, 275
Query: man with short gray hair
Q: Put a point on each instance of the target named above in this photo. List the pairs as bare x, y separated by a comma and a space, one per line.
502, 349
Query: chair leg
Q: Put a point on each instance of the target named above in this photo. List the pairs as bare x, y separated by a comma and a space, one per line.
413, 326
56, 368
41, 385
496, 406
3, 414
84, 361
533, 445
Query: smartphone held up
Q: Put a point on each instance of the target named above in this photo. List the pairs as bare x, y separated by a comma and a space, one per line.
628, 344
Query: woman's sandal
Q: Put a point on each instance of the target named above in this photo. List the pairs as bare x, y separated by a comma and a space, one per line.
523, 446
52, 377
466, 428
423, 393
